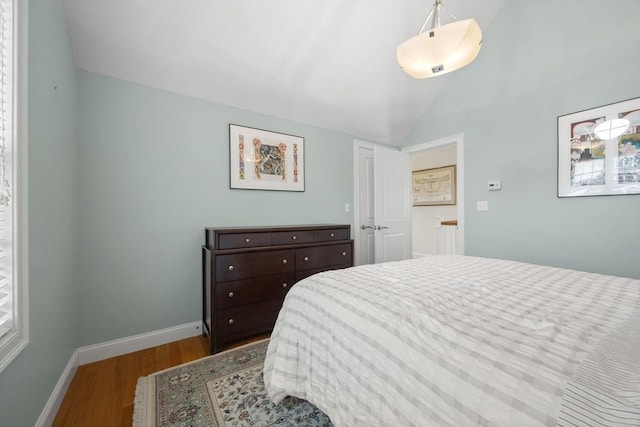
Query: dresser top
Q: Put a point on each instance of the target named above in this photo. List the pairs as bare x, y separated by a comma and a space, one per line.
270, 228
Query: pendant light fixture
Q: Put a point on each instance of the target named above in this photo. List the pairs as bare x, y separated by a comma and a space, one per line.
441, 49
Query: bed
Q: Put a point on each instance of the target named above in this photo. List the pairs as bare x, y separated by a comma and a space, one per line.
460, 341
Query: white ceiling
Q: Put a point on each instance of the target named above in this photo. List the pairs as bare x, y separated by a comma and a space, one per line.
326, 63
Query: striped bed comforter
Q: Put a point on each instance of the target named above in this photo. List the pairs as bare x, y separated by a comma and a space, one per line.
460, 341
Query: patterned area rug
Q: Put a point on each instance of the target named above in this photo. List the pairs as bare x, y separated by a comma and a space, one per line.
225, 389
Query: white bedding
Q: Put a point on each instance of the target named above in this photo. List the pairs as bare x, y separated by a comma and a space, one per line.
443, 340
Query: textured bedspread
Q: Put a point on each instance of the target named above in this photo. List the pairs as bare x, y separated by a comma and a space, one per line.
443, 340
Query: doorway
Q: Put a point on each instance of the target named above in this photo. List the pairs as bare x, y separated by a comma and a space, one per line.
382, 204
364, 191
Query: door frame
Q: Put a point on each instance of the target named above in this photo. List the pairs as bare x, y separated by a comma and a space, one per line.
457, 139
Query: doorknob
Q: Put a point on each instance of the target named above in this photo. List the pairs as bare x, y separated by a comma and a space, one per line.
364, 227
380, 227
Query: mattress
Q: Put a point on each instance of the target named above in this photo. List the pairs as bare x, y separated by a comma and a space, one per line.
456, 341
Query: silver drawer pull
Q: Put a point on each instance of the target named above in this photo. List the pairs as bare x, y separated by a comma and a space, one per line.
294, 237
306, 258
332, 235
231, 321
284, 285
247, 240
344, 254
230, 267
284, 261
230, 294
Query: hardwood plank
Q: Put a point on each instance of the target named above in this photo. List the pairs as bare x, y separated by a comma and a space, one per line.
102, 393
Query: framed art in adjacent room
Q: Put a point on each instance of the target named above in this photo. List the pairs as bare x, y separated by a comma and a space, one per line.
265, 160
433, 187
599, 151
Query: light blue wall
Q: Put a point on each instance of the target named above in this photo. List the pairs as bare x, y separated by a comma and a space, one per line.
154, 171
28, 381
539, 60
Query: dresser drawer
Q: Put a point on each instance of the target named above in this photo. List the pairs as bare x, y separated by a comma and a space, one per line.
331, 234
291, 237
243, 240
252, 264
323, 256
239, 292
249, 316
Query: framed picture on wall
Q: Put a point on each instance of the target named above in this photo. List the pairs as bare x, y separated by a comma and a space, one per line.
434, 187
599, 151
265, 160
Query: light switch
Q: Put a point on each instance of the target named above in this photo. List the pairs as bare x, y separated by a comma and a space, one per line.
347, 207
494, 184
482, 205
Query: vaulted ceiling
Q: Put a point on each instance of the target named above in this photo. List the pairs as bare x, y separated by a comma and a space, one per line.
326, 63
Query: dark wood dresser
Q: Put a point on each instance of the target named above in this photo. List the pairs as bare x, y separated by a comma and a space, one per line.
248, 271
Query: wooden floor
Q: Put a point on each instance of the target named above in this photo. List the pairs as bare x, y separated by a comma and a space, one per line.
101, 393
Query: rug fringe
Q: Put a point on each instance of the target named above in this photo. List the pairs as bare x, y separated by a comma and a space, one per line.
139, 403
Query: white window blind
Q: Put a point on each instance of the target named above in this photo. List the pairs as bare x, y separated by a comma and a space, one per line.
7, 292
14, 289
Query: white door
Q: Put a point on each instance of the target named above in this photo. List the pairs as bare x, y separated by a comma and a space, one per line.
365, 235
392, 204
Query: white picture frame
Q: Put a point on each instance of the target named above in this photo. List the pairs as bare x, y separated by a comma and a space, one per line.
265, 160
599, 151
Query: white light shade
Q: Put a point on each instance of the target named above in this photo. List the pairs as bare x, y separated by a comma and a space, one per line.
440, 50
611, 128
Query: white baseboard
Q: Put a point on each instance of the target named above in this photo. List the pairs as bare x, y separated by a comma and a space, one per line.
96, 352
417, 255
48, 414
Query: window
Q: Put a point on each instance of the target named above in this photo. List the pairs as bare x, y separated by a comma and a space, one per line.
14, 331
